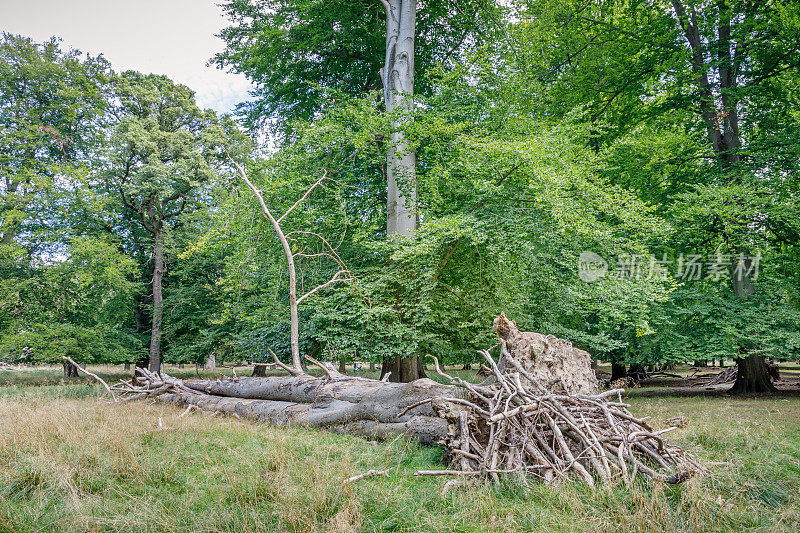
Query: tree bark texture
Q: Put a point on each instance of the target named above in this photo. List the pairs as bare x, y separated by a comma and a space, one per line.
366, 407
398, 86
617, 371
158, 302
752, 376
401, 162
69, 370
403, 369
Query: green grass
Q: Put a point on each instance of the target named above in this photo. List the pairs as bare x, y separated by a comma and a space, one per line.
69, 462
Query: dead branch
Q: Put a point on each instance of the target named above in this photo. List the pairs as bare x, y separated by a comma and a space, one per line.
330, 373
95, 376
522, 427
369, 473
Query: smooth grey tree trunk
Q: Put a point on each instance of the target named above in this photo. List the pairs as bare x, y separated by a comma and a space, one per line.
158, 301
398, 86
401, 162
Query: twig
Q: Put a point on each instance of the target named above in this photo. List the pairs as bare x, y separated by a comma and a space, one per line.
368, 473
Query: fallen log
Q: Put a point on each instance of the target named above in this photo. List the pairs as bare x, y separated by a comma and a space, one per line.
341, 404
513, 424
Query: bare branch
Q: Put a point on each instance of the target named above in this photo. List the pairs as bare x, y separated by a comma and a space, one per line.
293, 371
336, 278
305, 195
369, 473
95, 376
329, 372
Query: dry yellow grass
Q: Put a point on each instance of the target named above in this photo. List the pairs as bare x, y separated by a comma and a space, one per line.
69, 462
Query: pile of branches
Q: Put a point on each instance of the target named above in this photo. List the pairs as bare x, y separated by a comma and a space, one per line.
514, 425
726, 376
9, 366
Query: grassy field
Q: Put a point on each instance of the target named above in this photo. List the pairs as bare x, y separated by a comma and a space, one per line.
69, 462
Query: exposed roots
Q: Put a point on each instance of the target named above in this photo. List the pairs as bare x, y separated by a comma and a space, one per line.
518, 427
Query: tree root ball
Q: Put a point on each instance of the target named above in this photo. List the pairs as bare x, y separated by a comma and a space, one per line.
554, 362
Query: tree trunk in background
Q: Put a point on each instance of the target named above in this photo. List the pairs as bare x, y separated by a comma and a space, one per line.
343, 363
752, 376
259, 371
69, 370
637, 372
372, 366
211, 363
617, 371
719, 110
398, 86
158, 302
403, 369
401, 163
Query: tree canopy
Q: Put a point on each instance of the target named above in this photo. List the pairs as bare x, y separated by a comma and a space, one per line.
622, 174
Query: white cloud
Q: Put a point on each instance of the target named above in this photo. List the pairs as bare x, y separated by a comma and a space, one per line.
172, 37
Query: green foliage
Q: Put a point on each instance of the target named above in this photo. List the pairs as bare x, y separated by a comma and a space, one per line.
505, 213
51, 108
295, 52
542, 129
78, 307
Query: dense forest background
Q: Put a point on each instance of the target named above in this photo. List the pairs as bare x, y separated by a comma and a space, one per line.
623, 174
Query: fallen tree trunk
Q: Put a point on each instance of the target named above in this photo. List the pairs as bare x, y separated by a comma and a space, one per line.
359, 406
509, 425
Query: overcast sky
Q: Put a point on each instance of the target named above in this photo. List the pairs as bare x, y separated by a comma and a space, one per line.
172, 37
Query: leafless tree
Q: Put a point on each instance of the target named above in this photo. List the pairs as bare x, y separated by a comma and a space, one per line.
343, 274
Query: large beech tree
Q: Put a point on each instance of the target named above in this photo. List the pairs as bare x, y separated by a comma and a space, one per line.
158, 166
401, 161
51, 105
293, 51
